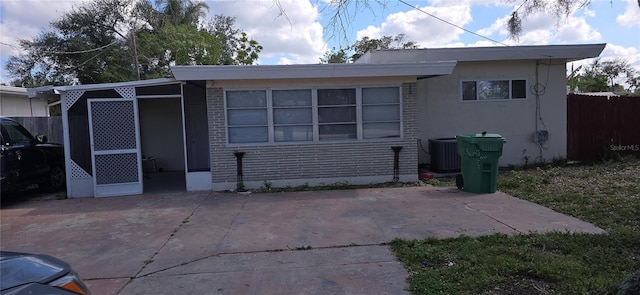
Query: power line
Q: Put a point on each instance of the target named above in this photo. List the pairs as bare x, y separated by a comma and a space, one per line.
66, 52
84, 51
474, 33
452, 24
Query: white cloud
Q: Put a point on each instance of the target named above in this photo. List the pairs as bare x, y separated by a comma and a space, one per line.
629, 54
631, 16
26, 19
542, 28
295, 36
499, 26
576, 29
427, 31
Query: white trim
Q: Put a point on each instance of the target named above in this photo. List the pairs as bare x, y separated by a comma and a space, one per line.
33, 92
310, 71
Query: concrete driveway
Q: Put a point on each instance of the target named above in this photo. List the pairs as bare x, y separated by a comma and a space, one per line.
321, 242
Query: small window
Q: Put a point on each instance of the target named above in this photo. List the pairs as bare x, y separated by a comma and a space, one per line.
494, 90
519, 89
469, 90
488, 90
337, 114
380, 112
292, 115
247, 116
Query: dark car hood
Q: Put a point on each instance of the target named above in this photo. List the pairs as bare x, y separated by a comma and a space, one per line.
20, 268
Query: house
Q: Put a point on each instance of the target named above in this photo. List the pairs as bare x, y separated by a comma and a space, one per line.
14, 102
230, 127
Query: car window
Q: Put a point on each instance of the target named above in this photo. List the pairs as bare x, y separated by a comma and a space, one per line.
16, 134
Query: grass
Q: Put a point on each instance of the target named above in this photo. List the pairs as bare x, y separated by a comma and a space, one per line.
606, 194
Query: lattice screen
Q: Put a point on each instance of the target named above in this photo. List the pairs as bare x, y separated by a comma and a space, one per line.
116, 168
77, 172
113, 124
127, 92
71, 97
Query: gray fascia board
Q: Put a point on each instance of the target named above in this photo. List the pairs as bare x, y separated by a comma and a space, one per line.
48, 90
465, 54
260, 72
564, 52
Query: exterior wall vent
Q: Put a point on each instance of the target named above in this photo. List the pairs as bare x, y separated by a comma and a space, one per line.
444, 155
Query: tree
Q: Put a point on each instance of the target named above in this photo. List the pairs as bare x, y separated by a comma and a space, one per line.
115, 40
608, 75
170, 12
237, 48
84, 45
356, 50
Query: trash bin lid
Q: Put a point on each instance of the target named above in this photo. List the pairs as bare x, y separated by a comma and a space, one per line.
482, 135
483, 141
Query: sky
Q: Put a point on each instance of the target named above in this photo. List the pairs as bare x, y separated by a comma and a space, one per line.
301, 31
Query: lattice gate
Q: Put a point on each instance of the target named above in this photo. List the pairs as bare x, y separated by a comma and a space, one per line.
115, 152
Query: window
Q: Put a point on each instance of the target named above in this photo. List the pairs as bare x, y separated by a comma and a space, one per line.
494, 89
380, 112
292, 118
247, 116
337, 114
307, 115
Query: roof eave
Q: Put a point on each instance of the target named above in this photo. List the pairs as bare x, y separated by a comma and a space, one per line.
56, 90
315, 71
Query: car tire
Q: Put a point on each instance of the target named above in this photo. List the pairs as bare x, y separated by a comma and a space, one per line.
55, 179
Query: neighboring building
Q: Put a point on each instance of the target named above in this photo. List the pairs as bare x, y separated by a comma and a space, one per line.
314, 124
14, 102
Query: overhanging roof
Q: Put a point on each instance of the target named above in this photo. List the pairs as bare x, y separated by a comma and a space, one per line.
461, 54
19, 91
313, 71
45, 91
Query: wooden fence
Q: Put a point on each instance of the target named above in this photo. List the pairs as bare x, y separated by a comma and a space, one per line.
598, 126
49, 126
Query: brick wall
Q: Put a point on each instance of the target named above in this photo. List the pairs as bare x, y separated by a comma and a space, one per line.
355, 162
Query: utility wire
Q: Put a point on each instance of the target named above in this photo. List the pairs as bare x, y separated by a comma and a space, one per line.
66, 52
84, 51
452, 24
472, 32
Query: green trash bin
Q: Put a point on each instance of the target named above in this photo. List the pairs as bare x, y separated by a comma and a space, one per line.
479, 154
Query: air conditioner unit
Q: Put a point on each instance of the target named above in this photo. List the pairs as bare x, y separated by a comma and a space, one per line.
444, 155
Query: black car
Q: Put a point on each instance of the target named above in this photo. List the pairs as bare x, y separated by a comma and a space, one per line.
22, 273
27, 160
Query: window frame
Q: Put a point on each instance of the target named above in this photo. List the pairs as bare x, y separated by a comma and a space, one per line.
314, 113
228, 127
477, 90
